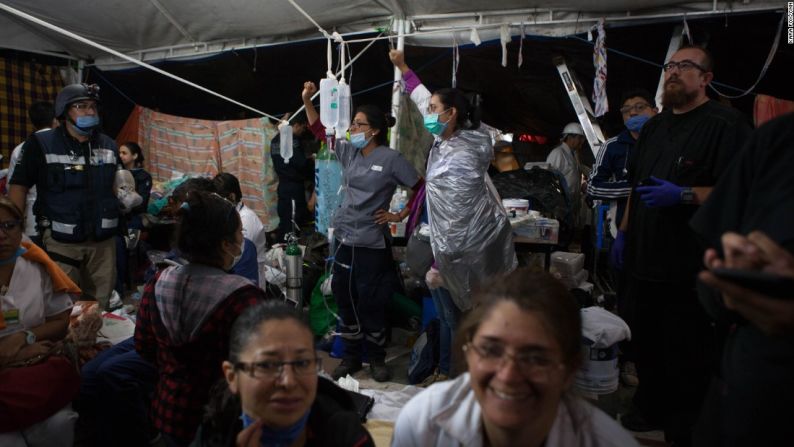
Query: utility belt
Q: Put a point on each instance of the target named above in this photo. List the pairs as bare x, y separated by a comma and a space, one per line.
77, 232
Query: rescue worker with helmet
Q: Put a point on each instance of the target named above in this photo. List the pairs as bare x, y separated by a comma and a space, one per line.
565, 159
73, 167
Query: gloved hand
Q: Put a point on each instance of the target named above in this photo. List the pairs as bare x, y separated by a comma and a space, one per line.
616, 253
664, 193
433, 279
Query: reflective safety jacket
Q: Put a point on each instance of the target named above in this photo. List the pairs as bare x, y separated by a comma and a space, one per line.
77, 201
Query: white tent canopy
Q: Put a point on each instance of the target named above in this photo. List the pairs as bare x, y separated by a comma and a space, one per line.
155, 30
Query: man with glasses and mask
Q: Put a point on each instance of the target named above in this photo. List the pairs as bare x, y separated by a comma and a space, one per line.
73, 168
609, 181
678, 158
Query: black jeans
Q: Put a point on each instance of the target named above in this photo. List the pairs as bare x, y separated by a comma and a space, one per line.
675, 352
362, 286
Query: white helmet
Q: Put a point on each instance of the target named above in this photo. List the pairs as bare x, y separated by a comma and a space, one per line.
572, 129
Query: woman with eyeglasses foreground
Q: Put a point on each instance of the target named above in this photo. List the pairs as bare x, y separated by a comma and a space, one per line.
186, 313
521, 343
36, 384
272, 395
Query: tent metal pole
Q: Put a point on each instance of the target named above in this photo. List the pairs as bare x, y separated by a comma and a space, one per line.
80, 70
400, 25
349, 63
82, 39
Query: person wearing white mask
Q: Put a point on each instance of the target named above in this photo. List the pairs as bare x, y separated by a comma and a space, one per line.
186, 313
363, 265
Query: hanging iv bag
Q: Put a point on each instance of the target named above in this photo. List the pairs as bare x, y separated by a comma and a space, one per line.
285, 140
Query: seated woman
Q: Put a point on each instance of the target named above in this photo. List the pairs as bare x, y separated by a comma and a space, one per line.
521, 343
35, 386
272, 395
186, 313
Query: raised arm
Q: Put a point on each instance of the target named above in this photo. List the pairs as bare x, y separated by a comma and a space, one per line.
420, 95
309, 89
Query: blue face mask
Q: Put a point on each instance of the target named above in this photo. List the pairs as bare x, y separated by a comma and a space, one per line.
279, 437
12, 258
433, 125
359, 140
85, 124
635, 123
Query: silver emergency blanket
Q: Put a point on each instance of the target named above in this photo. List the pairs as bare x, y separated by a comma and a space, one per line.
471, 235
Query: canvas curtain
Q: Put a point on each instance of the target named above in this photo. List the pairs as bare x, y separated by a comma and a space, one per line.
176, 145
21, 84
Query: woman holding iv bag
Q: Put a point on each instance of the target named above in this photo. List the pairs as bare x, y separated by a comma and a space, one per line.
362, 257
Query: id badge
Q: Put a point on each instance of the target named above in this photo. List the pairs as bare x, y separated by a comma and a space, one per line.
10, 314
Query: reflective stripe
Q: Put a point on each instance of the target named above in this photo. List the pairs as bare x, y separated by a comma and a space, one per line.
64, 228
103, 156
99, 157
110, 223
64, 159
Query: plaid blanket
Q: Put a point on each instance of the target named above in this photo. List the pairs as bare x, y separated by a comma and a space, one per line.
187, 295
21, 84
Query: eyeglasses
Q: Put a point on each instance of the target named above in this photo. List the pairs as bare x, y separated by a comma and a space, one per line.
84, 106
684, 65
274, 369
357, 124
639, 108
531, 364
10, 225
431, 109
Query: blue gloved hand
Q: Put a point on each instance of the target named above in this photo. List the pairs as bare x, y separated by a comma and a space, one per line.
663, 194
616, 253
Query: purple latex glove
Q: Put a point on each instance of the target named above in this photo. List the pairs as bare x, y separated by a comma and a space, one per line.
663, 194
616, 253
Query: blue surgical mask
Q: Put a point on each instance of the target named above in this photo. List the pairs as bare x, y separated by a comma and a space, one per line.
433, 125
359, 140
636, 122
20, 251
85, 124
283, 437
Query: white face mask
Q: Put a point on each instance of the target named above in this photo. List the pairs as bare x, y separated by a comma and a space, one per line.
237, 257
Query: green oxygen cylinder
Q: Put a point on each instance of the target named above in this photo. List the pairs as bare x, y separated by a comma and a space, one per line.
294, 266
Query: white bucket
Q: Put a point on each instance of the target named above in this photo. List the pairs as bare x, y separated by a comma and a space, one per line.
516, 207
599, 372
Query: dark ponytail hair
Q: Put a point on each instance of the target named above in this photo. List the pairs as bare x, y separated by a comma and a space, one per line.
135, 149
205, 221
468, 115
377, 120
248, 323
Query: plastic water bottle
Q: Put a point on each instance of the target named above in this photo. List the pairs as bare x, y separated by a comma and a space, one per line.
285, 140
329, 102
343, 124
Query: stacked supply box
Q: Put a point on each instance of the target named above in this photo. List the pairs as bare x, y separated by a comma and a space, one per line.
570, 268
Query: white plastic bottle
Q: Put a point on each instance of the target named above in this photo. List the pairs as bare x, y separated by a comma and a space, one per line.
403, 200
285, 140
343, 124
329, 102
